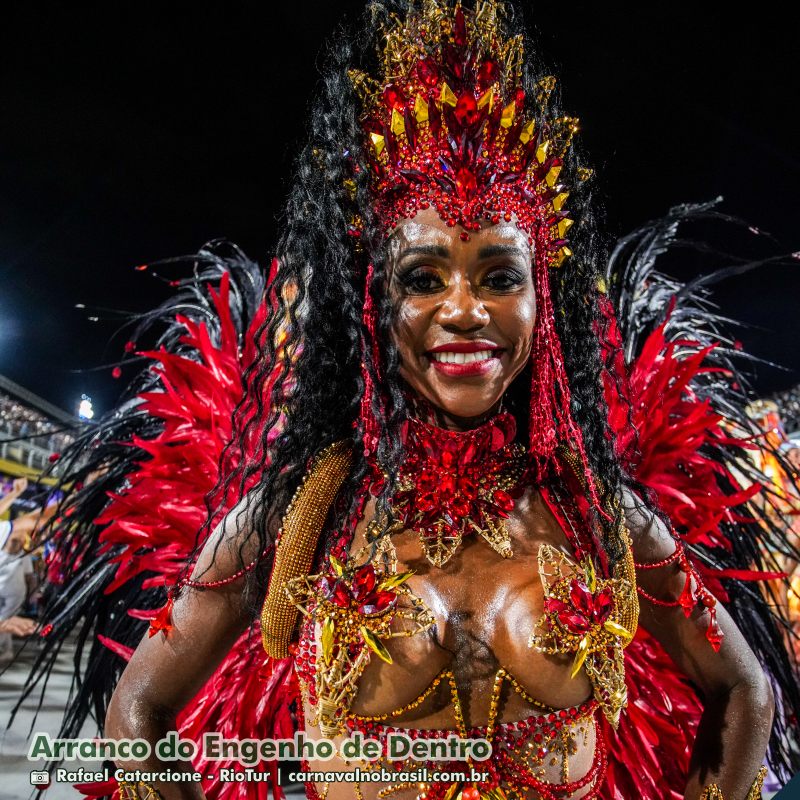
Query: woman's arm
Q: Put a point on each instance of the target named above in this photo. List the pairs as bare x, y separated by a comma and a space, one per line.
735, 727
167, 670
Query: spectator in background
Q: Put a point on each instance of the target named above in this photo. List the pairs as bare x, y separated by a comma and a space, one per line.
17, 538
18, 488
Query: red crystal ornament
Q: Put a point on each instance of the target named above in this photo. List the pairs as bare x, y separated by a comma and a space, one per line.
587, 610
393, 97
460, 28
163, 620
359, 593
487, 73
447, 476
466, 110
428, 72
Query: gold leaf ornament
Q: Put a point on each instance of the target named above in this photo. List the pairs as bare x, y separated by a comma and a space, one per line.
375, 644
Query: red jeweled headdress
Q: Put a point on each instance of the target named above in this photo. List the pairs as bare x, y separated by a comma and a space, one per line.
449, 126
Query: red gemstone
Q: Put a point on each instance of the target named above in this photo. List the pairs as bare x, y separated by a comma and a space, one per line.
468, 453
466, 183
466, 110
715, 636
555, 606
468, 488
581, 598
363, 581
487, 73
503, 500
341, 595
603, 606
377, 602
460, 506
428, 72
519, 97
500, 437
162, 620
460, 38
448, 458
448, 483
575, 623
393, 97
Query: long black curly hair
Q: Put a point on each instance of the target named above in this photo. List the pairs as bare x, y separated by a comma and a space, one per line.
319, 289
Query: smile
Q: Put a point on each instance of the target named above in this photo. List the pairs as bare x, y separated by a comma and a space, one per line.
449, 357
465, 359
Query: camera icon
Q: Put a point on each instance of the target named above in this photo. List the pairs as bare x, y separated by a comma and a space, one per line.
40, 777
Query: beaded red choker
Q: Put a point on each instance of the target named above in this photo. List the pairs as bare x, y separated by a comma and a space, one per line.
453, 483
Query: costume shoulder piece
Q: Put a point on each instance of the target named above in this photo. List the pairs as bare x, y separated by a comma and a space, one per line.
297, 542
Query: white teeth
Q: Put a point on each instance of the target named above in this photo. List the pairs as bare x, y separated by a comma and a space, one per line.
448, 357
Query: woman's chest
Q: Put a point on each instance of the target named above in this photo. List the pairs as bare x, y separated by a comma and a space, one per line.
482, 609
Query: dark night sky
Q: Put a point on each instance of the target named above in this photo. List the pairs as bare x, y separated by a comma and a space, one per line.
133, 132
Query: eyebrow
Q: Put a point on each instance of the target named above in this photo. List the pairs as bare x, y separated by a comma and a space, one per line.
426, 250
500, 250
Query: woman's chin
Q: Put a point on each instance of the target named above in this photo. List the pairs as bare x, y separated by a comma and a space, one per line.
465, 413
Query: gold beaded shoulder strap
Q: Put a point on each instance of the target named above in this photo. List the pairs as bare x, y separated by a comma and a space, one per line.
297, 542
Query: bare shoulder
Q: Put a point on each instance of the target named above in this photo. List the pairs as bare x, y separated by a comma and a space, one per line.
651, 538
239, 538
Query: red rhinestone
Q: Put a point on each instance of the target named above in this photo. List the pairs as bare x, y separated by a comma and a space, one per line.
466, 110
460, 38
393, 97
487, 73
428, 72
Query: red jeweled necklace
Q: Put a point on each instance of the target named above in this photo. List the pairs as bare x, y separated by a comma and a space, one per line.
453, 483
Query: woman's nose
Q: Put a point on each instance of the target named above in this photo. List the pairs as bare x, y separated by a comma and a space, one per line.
462, 309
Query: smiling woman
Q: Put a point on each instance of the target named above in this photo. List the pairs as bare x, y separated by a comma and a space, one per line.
465, 310
432, 488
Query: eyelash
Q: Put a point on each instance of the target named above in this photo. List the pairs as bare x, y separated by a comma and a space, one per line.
413, 279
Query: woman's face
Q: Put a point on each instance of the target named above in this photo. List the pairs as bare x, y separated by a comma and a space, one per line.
465, 312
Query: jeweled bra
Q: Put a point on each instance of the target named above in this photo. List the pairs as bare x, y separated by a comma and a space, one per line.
358, 603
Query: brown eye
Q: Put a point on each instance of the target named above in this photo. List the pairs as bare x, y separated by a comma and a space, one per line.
420, 280
503, 280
